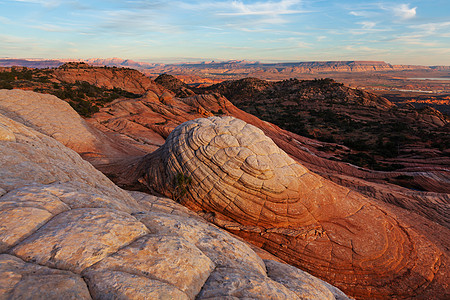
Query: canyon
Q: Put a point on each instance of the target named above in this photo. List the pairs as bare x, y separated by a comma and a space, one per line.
131, 127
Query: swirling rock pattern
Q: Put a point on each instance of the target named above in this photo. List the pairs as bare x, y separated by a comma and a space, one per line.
67, 232
242, 181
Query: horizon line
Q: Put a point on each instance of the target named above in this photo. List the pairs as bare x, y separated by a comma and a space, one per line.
206, 60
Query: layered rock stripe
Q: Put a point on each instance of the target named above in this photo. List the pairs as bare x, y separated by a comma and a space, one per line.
245, 183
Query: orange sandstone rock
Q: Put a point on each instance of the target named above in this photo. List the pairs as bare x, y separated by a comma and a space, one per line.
230, 171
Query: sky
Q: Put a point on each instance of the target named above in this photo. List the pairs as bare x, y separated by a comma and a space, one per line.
410, 32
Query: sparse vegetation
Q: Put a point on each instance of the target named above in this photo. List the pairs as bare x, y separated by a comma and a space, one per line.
375, 131
84, 97
181, 183
218, 113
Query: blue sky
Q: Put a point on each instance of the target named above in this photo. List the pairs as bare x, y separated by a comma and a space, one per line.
411, 32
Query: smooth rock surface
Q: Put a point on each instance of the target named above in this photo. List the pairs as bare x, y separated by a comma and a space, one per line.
49, 115
21, 280
312, 287
79, 238
6, 134
23, 212
234, 284
167, 259
57, 119
122, 285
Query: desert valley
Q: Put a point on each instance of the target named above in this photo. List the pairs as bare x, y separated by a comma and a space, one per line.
224, 180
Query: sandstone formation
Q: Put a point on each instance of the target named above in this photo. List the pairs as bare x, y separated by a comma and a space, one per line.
51, 116
56, 118
141, 125
238, 178
67, 232
126, 79
138, 126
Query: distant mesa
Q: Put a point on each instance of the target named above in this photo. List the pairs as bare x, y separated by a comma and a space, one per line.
282, 67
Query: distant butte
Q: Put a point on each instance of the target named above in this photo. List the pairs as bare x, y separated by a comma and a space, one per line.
282, 67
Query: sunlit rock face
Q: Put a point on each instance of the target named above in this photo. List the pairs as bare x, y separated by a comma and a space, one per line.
238, 178
236, 170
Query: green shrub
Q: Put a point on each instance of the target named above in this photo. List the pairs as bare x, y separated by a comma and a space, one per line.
181, 184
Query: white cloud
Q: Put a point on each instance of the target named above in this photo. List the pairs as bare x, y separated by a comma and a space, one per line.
372, 10
357, 13
403, 11
414, 39
434, 28
134, 22
52, 28
14, 39
269, 8
237, 13
5, 20
368, 24
46, 3
363, 13
293, 42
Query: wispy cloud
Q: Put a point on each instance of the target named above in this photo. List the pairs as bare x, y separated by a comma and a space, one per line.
52, 28
134, 22
356, 13
14, 39
14, 43
46, 3
293, 42
414, 39
402, 11
367, 24
5, 20
441, 28
364, 50
377, 10
362, 13
237, 12
236, 48
270, 8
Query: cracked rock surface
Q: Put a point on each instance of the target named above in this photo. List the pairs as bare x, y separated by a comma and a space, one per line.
236, 177
67, 232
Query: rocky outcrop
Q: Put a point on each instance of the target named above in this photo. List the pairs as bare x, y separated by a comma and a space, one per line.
57, 119
51, 116
175, 85
127, 79
238, 178
68, 232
